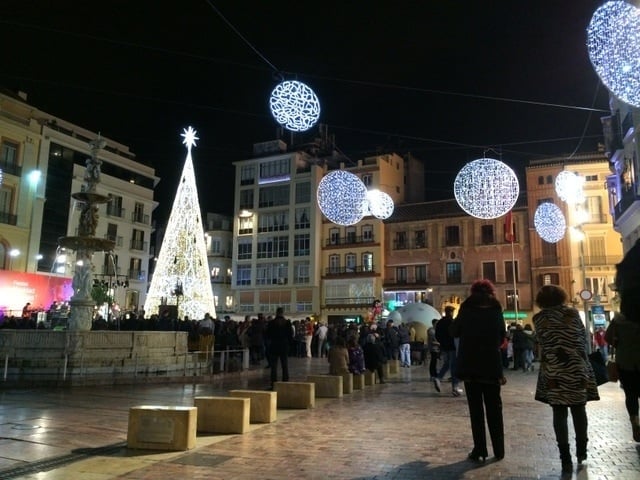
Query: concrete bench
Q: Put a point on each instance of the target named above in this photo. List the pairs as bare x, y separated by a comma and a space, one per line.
386, 368
223, 414
347, 383
263, 407
295, 394
327, 386
358, 382
155, 427
369, 377
394, 367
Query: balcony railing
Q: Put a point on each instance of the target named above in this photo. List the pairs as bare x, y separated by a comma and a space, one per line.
547, 261
602, 260
348, 240
139, 275
359, 269
8, 218
115, 211
139, 217
109, 270
115, 238
11, 167
409, 244
423, 282
138, 245
352, 301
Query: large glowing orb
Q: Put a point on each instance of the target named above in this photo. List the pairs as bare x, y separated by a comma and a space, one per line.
341, 197
549, 222
613, 42
379, 204
294, 106
486, 188
570, 187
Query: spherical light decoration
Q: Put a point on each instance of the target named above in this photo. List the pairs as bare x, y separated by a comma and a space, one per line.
379, 204
549, 222
294, 106
341, 197
613, 42
570, 187
486, 188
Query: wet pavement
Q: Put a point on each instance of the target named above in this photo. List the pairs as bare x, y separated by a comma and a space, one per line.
401, 430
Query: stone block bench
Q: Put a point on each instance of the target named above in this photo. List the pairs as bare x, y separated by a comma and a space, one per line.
155, 427
394, 367
347, 383
223, 414
263, 407
358, 382
369, 377
327, 386
295, 394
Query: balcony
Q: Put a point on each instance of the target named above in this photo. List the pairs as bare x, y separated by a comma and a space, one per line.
8, 218
357, 270
113, 211
403, 282
139, 217
409, 244
546, 261
628, 199
11, 168
348, 240
138, 275
139, 245
348, 302
601, 260
115, 238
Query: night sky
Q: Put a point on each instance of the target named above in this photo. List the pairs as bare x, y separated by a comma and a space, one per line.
447, 81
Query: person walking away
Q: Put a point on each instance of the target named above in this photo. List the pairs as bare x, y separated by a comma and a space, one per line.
338, 357
434, 350
529, 346
404, 341
374, 356
623, 333
321, 333
447, 352
519, 345
565, 380
480, 327
280, 334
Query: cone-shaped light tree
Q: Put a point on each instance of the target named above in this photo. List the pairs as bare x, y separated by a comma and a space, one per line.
181, 276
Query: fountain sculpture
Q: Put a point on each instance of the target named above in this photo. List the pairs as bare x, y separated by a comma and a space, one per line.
85, 243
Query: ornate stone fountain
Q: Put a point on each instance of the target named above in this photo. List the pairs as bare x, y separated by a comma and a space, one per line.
85, 243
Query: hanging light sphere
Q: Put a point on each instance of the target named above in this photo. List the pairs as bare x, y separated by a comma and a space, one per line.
486, 188
379, 204
294, 106
549, 222
569, 187
341, 197
613, 42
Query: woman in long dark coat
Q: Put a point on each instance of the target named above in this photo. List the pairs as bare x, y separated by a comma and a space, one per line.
481, 329
566, 380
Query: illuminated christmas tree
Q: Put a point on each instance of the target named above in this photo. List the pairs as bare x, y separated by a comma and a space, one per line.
181, 276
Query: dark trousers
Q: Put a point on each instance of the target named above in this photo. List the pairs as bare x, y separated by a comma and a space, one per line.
630, 381
433, 364
579, 417
485, 397
283, 355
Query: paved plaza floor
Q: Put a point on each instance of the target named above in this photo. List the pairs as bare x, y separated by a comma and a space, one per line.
400, 430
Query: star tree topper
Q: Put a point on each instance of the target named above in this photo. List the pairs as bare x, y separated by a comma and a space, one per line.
189, 137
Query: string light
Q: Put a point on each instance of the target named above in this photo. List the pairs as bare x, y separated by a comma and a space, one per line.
294, 106
613, 42
341, 197
486, 188
549, 222
183, 255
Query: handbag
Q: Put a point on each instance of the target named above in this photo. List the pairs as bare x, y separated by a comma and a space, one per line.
599, 368
612, 371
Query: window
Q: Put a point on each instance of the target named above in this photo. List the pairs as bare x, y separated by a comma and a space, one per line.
597, 251
9, 157
138, 213
351, 234
114, 207
301, 272
273, 221
452, 236
135, 269
110, 266
350, 262
303, 192
401, 275
301, 245
137, 240
591, 178
489, 271
549, 179
273, 247
454, 272
401, 241
421, 273
549, 279
334, 264
216, 246
513, 300
594, 210
275, 170
246, 225
334, 236
367, 233
597, 285
302, 218
244, 250
247, 174
367, 262
112, 232
420, 239
508, 271
246, 199
487, 234
367, 179
243, 275
273, 196
540, 180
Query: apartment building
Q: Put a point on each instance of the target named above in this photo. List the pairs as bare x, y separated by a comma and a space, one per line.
218, 237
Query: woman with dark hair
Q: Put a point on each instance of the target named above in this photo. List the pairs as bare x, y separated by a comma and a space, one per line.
624, 334
480, 328
566, 380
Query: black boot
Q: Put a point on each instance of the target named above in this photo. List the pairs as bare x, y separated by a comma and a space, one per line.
581, 450
565, 458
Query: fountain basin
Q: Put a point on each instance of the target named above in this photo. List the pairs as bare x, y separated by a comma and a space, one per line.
87, 243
